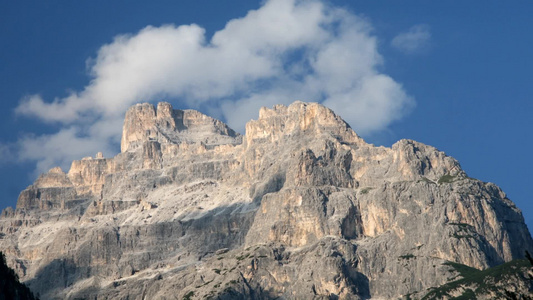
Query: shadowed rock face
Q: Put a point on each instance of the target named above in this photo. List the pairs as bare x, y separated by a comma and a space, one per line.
299, 207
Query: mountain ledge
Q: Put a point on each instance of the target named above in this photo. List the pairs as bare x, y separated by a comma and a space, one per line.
298, 207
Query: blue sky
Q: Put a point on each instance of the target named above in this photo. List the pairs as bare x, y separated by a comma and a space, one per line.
454, 75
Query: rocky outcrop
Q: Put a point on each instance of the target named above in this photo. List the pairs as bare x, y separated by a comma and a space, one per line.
52, 190
299, 207
166, 125
88, 175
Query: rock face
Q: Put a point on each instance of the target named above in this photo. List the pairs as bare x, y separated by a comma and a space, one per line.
300, 207
166, 125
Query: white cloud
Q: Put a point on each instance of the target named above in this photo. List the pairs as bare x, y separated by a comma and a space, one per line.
414, 40
61, 148
6, 153
284, 51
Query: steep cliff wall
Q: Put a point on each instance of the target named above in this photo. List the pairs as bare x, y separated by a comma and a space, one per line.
300, 207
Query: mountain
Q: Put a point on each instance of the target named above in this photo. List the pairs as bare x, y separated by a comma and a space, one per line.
300, 207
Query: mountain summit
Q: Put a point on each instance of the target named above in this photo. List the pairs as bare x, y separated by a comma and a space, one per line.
299, 207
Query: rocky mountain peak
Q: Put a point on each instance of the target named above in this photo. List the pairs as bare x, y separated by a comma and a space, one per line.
165, 125
303, 209
297, 119
55, 177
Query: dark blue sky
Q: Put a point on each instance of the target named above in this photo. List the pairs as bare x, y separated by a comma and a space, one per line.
471, 80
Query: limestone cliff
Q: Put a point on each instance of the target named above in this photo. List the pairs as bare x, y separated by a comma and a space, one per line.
298, 207
166, 125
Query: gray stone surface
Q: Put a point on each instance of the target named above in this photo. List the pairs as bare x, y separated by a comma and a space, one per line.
298, 208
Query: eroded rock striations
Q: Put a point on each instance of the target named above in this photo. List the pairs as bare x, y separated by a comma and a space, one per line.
300, 207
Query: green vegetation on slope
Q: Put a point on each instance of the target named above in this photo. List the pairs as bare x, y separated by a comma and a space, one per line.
501, 281
446, 179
